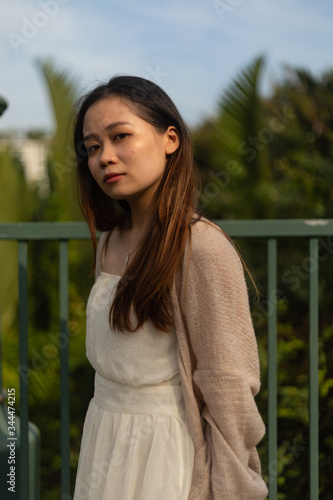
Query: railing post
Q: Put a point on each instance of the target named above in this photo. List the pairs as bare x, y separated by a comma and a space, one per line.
314, 367
272, 367
23, 369
64, 373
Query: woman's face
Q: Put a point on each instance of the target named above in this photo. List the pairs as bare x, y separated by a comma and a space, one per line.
126, 154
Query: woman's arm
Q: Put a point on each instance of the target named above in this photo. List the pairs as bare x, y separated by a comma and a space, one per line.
226, 375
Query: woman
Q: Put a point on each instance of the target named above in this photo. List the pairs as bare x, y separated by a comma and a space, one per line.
169, 332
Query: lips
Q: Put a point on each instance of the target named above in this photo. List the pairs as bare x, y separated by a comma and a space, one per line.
108, 177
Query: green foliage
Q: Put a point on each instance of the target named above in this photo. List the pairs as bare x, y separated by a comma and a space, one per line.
231, 154
301, 152
272, 158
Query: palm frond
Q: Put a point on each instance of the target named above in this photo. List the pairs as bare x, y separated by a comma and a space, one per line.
240, 120
62, 89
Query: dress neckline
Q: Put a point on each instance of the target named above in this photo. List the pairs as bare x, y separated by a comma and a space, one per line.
110, 274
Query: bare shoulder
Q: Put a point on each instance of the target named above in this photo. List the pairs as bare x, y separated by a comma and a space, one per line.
102, 245
101, 252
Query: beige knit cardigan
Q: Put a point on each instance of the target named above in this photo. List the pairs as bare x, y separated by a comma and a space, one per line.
219, 366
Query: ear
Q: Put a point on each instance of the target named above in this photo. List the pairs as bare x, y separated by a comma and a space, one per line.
171, 140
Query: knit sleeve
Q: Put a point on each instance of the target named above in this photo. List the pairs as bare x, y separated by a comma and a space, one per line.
226, 371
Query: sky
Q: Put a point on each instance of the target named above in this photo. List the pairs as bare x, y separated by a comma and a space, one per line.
191, 48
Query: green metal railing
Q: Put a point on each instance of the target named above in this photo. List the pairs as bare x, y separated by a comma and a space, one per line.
268, 229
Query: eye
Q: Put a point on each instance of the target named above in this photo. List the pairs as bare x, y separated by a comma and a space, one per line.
120, 136
92, 148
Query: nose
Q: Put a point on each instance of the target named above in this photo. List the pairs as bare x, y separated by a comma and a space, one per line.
108, 154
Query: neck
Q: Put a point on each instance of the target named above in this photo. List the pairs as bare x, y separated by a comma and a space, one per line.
139, 219
134, 228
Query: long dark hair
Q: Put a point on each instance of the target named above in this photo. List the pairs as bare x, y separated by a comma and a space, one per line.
160, 252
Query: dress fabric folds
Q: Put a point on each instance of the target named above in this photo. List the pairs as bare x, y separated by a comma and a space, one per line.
136, 443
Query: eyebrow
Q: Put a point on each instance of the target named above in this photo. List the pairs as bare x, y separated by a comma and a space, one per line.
108, 127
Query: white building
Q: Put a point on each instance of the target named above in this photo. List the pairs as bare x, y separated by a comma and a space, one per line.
33, 154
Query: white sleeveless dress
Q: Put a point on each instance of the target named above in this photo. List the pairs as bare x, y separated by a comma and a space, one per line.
136, 443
